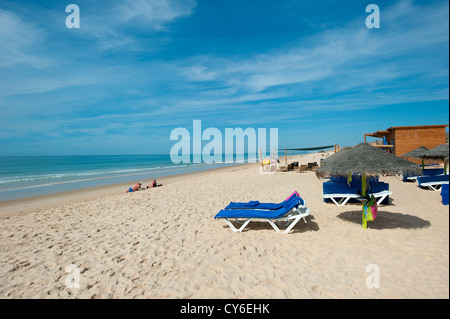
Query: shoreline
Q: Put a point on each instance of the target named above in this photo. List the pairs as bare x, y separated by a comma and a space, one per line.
100, 180
28, 204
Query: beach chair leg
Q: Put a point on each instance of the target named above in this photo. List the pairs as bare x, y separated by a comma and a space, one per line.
274, 226
296, 219
334, 201
342, 202
288, 229
294, 222
234, 229
381, 199
345, 201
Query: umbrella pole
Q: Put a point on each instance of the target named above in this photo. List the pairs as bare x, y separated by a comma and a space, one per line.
363, 192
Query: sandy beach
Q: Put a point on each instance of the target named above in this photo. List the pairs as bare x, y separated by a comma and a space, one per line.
165, 243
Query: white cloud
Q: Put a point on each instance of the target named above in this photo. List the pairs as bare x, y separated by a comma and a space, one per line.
352, 64
154, 13
111, 31
199, 73
17, 39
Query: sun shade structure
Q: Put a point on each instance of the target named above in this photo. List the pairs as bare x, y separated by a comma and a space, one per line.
332, 156
366, 160
438, 153
416, 154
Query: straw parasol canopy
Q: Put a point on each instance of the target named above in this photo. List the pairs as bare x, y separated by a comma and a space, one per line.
368, 160
416, 152
439, 152
365, 159
331, 156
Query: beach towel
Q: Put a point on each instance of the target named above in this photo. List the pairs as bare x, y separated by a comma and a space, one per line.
370, 209
257, 205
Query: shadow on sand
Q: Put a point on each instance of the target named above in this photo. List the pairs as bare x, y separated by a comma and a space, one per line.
386, 220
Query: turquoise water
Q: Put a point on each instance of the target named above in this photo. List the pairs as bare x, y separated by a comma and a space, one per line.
25, 176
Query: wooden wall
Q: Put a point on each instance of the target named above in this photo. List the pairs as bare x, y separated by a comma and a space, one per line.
408, 139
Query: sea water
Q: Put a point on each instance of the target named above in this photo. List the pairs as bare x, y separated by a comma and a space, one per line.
26, 176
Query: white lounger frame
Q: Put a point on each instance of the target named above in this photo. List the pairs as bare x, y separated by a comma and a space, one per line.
436, 186
294, 216
344, 198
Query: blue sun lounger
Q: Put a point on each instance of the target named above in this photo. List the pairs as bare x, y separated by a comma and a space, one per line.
444, 194
268, 206
287, 215
341, 193
433, 182
425, 172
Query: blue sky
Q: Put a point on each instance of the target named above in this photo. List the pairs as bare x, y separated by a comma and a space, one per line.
135, 70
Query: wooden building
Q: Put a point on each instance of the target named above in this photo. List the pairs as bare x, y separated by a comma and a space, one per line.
402, 139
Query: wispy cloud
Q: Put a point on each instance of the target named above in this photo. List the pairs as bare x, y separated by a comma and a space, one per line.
155, 14
351, 61
18, 38
116, 28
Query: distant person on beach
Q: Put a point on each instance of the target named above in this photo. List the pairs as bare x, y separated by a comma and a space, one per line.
135, 188
154, 184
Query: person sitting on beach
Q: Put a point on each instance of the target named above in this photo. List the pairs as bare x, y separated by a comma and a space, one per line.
135, 188
154, 184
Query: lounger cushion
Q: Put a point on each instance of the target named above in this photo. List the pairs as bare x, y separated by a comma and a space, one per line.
433, 171
432, 179
258, 205
270, 206
425, 172
445, 194
260, 213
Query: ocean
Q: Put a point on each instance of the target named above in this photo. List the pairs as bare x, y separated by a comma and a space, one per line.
26, 176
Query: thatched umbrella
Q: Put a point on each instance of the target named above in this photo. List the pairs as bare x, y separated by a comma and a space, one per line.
416, 154
366, 160
438, 153
340, 152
